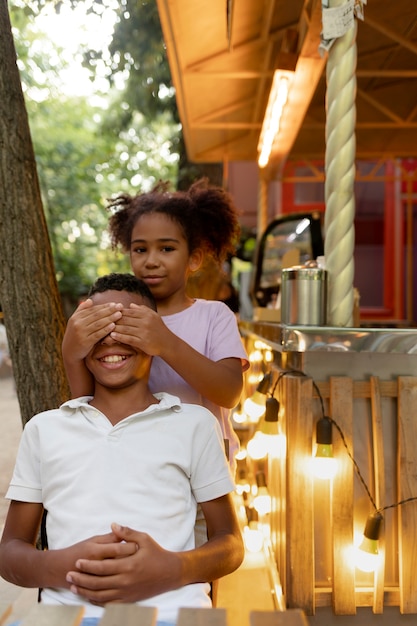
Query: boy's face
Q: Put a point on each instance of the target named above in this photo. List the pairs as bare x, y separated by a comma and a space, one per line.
114, 364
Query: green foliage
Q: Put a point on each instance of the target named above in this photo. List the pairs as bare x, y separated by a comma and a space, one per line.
138, 48
85, 152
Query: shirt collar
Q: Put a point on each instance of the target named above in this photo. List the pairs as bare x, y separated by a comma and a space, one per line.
166, 401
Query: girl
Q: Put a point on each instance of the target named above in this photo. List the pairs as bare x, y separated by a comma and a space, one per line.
196, 345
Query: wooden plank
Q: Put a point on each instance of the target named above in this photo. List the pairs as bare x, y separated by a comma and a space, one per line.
299, 589
364, 596
407, 488
341, 410
201, 617
54, 615
291, 617
5, 610
362, 389
128, 615
277, 485
379, 473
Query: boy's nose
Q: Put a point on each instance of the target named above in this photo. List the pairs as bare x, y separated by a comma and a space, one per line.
108, 340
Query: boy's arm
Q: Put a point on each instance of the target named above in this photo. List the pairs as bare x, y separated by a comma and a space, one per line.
87, 325
224, 550
24, 565
153, 570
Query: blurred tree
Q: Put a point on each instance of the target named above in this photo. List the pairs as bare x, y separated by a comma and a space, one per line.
137, 59
84, 156
138, 50
28, 290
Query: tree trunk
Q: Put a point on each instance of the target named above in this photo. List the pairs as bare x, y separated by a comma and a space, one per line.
29, 295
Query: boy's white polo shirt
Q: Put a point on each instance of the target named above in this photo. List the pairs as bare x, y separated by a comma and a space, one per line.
138, 473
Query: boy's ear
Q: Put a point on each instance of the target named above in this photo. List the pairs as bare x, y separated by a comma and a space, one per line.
196, 259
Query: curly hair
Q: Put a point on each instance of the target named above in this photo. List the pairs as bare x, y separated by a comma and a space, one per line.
206, 215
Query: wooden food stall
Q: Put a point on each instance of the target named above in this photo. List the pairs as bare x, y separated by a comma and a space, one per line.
364, 381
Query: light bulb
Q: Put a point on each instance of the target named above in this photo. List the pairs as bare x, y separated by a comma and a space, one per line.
242, 484
239, 416
324, 464
257, 447
367, 554
253, 538
254, 406
255, 356
241, 454
262, 500
269, 422
270, 439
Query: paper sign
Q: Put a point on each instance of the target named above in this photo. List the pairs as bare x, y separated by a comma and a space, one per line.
338, 20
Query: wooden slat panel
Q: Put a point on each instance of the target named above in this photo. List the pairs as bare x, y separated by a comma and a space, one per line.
407, 487
201, 617
341, 403
5, 610
128, 615
379, 471
292, 617
49, 615
300, 535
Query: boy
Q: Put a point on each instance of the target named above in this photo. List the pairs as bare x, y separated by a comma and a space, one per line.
129, 456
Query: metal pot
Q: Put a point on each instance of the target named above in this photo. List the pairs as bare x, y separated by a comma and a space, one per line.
304, 295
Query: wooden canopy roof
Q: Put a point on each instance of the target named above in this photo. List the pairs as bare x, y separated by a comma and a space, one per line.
223, 54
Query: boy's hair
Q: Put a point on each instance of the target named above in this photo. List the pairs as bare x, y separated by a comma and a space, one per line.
206, 215
123, 282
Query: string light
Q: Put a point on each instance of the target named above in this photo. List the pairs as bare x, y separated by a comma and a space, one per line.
252, 534
324, 462
262, 500
242, 484
254, 406
256, 447
269, 422
367, 555
272, 437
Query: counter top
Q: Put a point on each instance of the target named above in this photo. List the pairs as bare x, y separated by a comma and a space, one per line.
285, 338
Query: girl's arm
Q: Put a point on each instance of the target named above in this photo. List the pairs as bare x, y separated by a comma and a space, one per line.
220, 382
87, 325
153, 570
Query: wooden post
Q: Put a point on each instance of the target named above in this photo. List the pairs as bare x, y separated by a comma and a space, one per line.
128, 615
51, 615
202, 617
379, 472
299, 505
341, 402
407, 488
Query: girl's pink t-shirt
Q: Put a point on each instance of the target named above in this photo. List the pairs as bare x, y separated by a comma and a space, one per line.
210, 327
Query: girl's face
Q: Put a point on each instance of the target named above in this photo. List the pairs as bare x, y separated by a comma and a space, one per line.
159, 255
